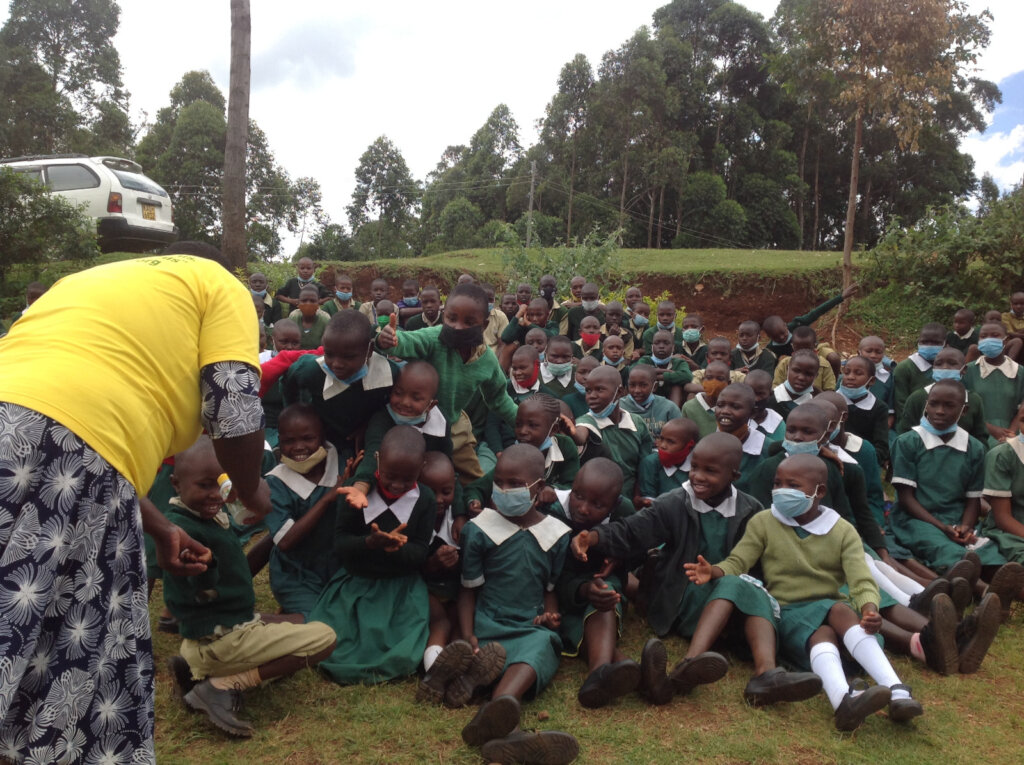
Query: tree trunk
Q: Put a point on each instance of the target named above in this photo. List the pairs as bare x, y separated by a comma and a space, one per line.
650, 221
661, 213
817, 193
233, 213
622, 195
572, 180
800, 172
865, 209
851, 201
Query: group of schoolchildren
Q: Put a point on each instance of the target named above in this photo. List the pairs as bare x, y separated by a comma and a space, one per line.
472, 486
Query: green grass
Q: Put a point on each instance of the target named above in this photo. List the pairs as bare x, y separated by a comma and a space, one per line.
305, 719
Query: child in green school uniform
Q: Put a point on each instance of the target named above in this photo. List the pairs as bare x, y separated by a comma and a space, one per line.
588, 342
430, 300
577, 400
624, 435
706, 516
377, 599
342, 299
718, 349
964, 334
999, 381
798, 387
673, 374
667, 323
948, 365
524, 374
805, 338
589, 307
227, 647
590, 598
556, 370
915, 371
669, 467
639, 322
311, 320
285, 337
701, 408
869, 417
872, 348
733, 410
538, 423
1004, 490
768, 421
511, 559
612, 355
615, 326
655, 410
807, 552
535, 314
748, 355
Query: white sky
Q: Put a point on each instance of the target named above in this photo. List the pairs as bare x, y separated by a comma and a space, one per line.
329, 77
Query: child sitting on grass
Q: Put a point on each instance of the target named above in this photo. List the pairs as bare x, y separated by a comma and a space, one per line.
733, 411
524, 375
869, 417
1004, 490
512, 557
577, 399
805, 338
673, 373
227, 648
807, 552
557, 370
768, 421
798, 387
948, 365
964, 334
311, 320
707, 516
998, 381
701, 408
748, 355
669, 467
915, 371
589, 340
655, 410
872, 348
666, 315
612, 350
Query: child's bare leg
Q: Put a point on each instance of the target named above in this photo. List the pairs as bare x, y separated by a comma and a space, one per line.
675, 395
1013, 348
631, 588
918, 571
440, 626
760, 636
600, 639
712, 622
517, 680
451, 612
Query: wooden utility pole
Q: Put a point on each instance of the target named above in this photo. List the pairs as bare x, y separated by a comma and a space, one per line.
233, 243
529, 218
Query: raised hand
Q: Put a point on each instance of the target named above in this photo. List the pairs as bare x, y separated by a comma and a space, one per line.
353, 496
699, 572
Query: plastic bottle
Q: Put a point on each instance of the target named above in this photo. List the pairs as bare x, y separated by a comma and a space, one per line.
236, 509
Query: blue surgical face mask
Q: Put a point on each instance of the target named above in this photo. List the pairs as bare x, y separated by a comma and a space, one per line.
642, 404
411, 302
606, 412
794, 391
659, 362
490, 307
835, 433
853, 393
344, 297
558, 370
1020, 437
934, 430
800, 447
512, 503
258, 293
401, 420
886, 361
540, 356
928, 352
305, 281
945, 374
640, 321
990, 347
608, 362
792, 503
353, 379
787, 341
579, 387
689, 335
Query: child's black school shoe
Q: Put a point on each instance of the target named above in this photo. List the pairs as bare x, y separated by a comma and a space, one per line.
181, 675
962, 593
938, 638
974, 635
853, 710
608, 682
966, 568
167, 624
921, 601
1007, 583
549, 747
654, 683
453, 660
704, 668
777, 685
221, 707
485, 667
494, 719
904, 709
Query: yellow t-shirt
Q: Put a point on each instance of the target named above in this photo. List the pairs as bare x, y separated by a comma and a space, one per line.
113, 353
1013, 324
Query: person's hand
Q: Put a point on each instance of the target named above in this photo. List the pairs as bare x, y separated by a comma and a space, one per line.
567, 426
850, 291
388, 541
580, 545
699, 572
388, 336
550, 619
609, 565
601, 596
179, 554
473, 642
521, 315
1003, 434
474, 506
964, 535
952, 533
448, 556
353, 496
639, 503
350, 467
870, 619
457, 524
258, 503
547, 496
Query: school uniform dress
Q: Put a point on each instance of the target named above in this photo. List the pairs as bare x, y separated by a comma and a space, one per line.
804, 569
1004, 477
377, 600
576, 401
701, 412
1000, 387
299, 575
435, 430
655, 413
513, 567
883, 389
943, 474
863, 453
783, 402
773, 425
312, 336
688, 527
911, 374
754, 446
972, 420
654, 479
627, 442
869, 418
561, 461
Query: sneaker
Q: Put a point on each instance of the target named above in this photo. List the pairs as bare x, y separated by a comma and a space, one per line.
549, 747
609, 682
221, 707
962, 593
494, 719
1007, 583
976, 633
938, 638
777, 685
920, 601
654, 683
853, 710
904, 709
453, 660
485, 666
704, 668
181, 676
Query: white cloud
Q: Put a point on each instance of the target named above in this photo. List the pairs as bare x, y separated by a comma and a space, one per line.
1000, 154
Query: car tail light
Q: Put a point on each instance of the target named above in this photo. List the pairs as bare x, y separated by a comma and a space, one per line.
114, 203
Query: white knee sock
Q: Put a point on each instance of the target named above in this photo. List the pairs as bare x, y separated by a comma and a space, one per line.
885, 584
865, 650
429, 655
904, 582
827, 665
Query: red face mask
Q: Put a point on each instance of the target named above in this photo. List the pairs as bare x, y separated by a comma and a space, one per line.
590, 338
675, 459
387, 495
529, 381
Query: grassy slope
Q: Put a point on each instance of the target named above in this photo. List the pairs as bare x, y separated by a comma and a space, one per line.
304, 719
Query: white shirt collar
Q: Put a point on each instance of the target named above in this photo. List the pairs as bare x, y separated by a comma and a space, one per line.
553, 454
546, 376
986, 367
703, 401
625, 422
445, 532
865, 403
378, 375
1018, 447
685, 467
727, 509
819, 527
853, 443
434, 425
302, 486
782, 394
931, 441
920, 362
754, 442
842, 454
498, 528
772, 420
401, 507
881, 373
521, 390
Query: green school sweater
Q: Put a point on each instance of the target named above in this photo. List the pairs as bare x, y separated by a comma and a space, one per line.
906, 378
655, 415
677, 342
762, 359
626, 445
577, 315
419, 321
516, 332
676, 373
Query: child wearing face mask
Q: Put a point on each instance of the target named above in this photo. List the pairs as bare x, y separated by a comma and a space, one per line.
998, 381
748, 355
589, 339
556, 369
666, 322
948, 365
915, 371
769, 422
669, 467
701, 408
511, 559
655, 410
590, 306
310, 318
798, 387
868, 417
673, 374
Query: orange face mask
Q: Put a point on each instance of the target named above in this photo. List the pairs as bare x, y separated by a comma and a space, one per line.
308, 309
713, 387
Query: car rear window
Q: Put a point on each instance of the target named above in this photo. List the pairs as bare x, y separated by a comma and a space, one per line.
138, 182
68, 177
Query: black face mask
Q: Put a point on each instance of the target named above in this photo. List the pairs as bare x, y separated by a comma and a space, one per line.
461, 339
548, 293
